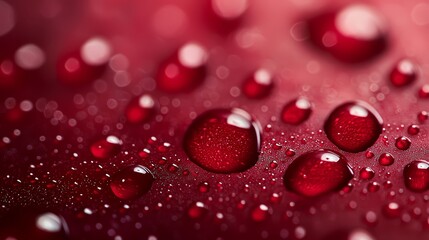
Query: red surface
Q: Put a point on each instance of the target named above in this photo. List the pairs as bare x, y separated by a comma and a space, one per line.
47, 127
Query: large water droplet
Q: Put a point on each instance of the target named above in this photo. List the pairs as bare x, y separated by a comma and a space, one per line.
296, 111
223, 140
183, 71
416, 176
353, 34
353, 126
317, 172
131, 182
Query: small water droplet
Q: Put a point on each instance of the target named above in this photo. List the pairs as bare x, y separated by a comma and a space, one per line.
223, 140
203, 187
386, 159
259, 85
353, 126
373, 187
317, 172
424, 91
197, 210
404, 73
296, 111
140, 109
184, 71
366, 173
416, 176
260, 213
392, 210
422, 116
413, 129
131, 182
107, 147
402, 143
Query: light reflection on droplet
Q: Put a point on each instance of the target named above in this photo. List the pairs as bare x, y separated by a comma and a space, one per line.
361, 22
96, 51
30, 57
192, 55
7, 18
229, 9
49, 222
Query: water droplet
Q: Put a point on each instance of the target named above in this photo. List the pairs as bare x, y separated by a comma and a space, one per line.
353, 126
273, 164
353, 34
424, 91
258, 85
413, 129
296, 111
373, 187
107, 147
402, 143
422, 116
140, 109
370, 218
223, 140
9, 74
260, 213
72, 70
317, 172
197, 210
173, 168
203, 187
392, 210
416, 176
184, 71
369, 154
30, 57
386, 159
131, 182
366, 173
404, 73
290, 152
